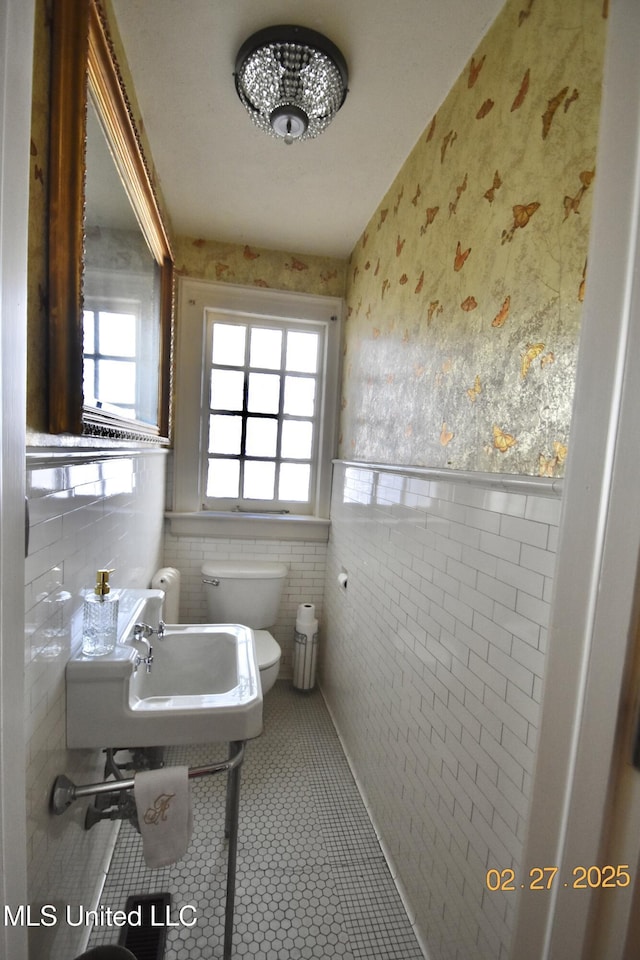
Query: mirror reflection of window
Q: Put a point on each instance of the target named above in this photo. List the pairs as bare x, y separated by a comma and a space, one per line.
121, 294
110, 347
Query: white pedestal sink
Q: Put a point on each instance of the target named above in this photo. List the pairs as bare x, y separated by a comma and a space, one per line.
203, 687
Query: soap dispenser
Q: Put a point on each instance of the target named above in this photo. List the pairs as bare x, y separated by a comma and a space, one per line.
100, 618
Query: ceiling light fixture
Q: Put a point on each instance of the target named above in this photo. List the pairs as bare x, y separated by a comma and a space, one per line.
291, 80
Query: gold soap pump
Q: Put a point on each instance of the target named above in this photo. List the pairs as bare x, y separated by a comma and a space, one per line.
102, 587
100, 618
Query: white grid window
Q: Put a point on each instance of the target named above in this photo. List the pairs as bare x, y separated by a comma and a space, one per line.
263, 389
256, 414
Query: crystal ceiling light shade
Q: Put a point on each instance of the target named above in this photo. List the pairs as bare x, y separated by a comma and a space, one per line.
291, 80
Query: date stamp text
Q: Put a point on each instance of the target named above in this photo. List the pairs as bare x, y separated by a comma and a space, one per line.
608, 877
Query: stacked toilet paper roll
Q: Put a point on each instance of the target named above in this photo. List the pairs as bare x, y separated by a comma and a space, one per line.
168, 579
306, 647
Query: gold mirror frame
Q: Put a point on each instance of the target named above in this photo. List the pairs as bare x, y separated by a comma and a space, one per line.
83, 60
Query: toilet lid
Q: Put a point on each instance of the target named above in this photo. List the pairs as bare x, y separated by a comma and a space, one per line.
267, 650
244, 569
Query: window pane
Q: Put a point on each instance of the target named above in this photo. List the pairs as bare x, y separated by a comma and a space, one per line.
259, 480
223, 478
297, 436
262, 436
302, 352
299, 396
228, 344
116, 382
294, 481
227, 389
89, 332
264, 392
266, 348
88, 382
225, 434
117, 334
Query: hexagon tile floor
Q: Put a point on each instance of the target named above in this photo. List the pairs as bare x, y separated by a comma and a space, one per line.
312, 881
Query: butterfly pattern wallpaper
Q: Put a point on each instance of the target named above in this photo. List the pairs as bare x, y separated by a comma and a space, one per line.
259, 267
465, 291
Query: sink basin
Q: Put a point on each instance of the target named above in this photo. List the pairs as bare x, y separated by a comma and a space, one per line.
204, 687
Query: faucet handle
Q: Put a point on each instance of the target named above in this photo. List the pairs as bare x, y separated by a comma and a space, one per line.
148, 660
141, 631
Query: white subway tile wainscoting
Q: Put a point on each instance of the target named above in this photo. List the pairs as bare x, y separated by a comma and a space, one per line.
432, 666
431, 663
87, 510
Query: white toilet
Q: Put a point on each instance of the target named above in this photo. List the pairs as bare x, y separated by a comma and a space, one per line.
248, 592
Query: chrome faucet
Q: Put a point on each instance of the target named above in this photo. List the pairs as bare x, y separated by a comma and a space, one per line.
141, 634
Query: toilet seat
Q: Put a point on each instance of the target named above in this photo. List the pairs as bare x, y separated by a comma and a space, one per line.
267, 650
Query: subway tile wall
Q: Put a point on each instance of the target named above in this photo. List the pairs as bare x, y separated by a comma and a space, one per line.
86, 511
432, 665
304, 584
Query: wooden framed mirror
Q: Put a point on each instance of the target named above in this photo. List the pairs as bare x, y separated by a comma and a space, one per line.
110, 259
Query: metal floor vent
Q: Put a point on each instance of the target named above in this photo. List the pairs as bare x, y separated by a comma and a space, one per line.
147, 940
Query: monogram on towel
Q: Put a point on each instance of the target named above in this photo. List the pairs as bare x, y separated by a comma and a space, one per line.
163, 805
159, 809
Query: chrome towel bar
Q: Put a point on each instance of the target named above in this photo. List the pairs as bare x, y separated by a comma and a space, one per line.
65, 792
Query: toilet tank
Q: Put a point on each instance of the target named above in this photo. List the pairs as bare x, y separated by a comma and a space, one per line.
247, 591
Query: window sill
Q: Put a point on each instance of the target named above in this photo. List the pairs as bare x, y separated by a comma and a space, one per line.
248, 526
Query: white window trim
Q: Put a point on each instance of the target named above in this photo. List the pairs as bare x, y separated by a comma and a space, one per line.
194, 297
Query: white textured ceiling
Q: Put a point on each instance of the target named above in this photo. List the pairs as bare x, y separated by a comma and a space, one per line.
223, 179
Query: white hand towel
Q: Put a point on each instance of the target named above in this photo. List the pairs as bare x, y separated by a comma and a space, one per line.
163, 803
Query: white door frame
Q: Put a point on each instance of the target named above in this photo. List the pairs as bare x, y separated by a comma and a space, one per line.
16, 59
599, 546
